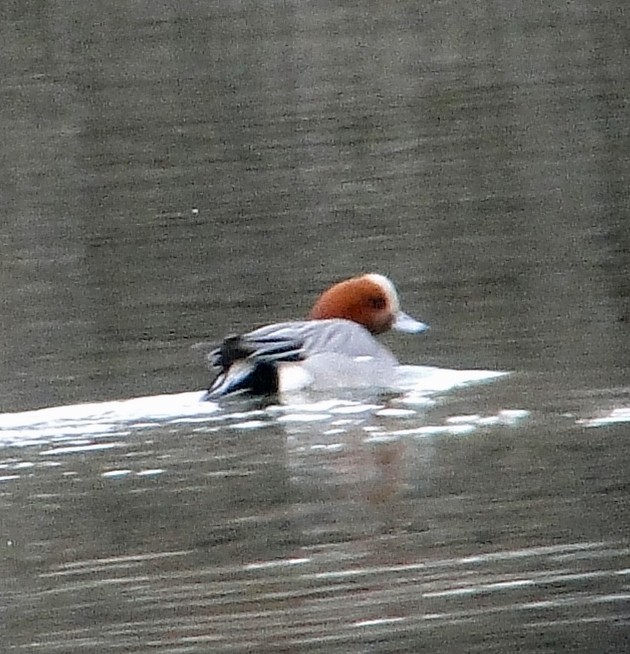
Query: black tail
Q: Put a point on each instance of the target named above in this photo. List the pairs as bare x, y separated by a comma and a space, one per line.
249, 365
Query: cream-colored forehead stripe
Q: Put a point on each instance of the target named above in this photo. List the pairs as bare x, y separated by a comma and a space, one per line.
388, 288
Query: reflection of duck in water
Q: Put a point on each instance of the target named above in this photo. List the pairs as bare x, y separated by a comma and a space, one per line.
333, 348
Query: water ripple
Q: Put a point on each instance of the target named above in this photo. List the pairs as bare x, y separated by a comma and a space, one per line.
418, 387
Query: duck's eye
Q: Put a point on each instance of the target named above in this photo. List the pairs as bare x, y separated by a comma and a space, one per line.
377, 303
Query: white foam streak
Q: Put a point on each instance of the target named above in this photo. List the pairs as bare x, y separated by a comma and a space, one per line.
621, 414
100, 418
82, 423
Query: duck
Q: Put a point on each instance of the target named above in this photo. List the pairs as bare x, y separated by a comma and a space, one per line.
334, 347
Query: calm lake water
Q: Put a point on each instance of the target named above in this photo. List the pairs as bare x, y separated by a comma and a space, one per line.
176, 171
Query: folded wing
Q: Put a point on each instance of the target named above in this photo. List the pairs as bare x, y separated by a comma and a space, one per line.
248, 363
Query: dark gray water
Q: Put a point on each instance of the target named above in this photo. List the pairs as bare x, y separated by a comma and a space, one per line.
176, 171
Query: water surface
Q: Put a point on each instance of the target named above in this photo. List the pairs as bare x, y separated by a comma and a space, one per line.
174, 173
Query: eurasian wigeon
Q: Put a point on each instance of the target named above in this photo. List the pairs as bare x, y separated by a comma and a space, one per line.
333, 348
